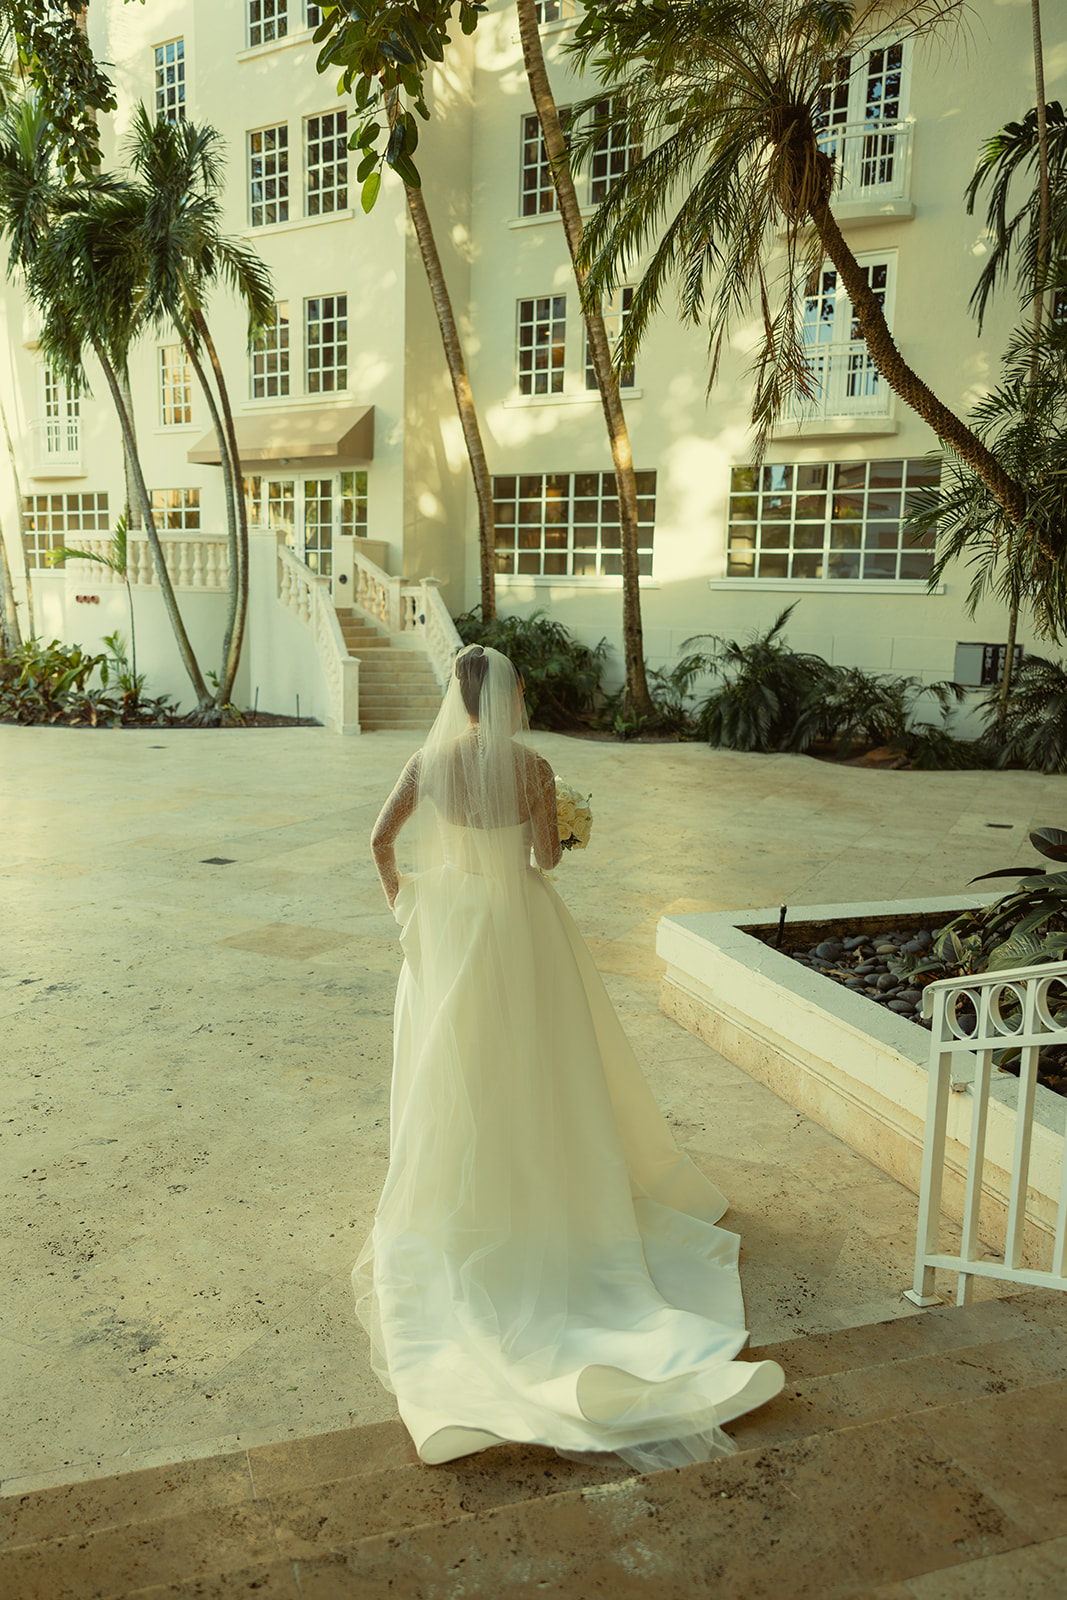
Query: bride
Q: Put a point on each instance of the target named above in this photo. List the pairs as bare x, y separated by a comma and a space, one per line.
544, 1264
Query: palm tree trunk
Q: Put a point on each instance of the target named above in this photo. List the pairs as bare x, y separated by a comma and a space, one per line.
1039, 303
232, 544
10, 634
637, 700
133, 505
461, 388
909, 386
237, 516
185, 649
22, 519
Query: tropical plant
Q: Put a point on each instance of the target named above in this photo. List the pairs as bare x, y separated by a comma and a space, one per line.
769, 695
562, 676
1033, 730
50, 684
185, 256
383, 51
115, 559
1021, 929
725, 97
637, 701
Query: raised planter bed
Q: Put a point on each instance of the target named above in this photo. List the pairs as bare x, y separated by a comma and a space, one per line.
858, 1070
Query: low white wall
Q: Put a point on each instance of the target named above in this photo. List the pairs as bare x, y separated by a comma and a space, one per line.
855, 1068
59, 613
280, 657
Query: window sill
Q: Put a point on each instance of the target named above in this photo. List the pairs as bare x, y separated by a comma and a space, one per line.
252, 52
165, 429
548, 216
524, 402
836, 428
830, 585
286, 402
295, 223
534, 580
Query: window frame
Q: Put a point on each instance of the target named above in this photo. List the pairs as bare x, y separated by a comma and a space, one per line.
615, 314
608, 146
267, 344
529, 343
176, 510
279, 12
339, 164
749, 518
280, 154
170, 386
38, 541
160, 84
338, 317
600, 557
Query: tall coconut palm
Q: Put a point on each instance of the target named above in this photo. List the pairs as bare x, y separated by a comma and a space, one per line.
180, 168
724, 95
638, 701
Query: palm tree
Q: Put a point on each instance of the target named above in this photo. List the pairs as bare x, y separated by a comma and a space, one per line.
180, 167
637, 699
724, 95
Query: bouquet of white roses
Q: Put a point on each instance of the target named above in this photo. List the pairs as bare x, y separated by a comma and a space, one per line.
573, 815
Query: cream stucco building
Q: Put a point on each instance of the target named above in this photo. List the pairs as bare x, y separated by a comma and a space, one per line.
349, 437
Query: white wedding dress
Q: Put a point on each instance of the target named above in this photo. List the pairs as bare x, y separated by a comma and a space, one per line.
545, 1264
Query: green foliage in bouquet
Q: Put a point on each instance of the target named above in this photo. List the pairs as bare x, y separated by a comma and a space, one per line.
562, 676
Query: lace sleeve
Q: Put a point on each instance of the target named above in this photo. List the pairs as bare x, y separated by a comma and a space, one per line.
546, 846
395, 812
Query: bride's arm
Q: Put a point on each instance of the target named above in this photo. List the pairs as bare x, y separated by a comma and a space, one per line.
546, 846
395, 812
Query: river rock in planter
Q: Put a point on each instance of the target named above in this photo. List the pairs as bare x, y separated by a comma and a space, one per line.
887, 982
829, 950
885, 950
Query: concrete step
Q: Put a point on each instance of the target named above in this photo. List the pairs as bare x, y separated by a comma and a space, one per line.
898, 1449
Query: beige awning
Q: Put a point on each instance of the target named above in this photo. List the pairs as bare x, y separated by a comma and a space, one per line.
312, 434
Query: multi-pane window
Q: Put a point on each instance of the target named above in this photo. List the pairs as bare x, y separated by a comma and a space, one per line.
253, 493
537, 191
61, 415
615, 315
170, 81
845, 380
267, 20
327, 343
268, 168
269, 357
841, 519
553, 10
542, 344
318, 525
281, 507
615, 151
354, 503
567, 523
176, 385
326, 161
176, 509
859, 120
54, 520
312, 15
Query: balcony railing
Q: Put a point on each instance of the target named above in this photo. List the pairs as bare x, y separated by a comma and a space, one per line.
872, 161
56, 446
846, 383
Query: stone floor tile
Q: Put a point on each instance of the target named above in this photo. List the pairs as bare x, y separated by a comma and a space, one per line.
134, 1497
326, 1457
113, 1561
275, 1582
1012, 1448
1035, 1572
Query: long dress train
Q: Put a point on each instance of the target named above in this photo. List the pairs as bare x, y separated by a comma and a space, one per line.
544, 1264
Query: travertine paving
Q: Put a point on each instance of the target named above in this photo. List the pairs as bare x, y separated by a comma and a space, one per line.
196, 1000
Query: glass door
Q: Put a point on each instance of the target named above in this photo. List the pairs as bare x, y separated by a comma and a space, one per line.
301, 510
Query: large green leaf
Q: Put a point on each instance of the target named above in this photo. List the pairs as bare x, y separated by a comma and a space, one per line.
1051, 842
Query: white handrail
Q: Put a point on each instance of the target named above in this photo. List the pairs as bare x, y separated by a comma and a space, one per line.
1011, 1010
194, 561
376, 594
439, 637
308, 596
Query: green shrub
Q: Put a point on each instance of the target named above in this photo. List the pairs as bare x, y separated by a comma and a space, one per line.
562, 677
42, 683
1035, 725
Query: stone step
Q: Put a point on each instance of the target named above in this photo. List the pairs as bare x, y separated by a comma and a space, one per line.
894, 1450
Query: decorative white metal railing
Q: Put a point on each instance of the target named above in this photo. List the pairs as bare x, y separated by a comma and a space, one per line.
977, 1018
194, 561
872, 160
846, 381
308, 596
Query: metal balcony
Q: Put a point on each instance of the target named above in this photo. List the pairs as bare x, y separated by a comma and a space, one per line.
56, 448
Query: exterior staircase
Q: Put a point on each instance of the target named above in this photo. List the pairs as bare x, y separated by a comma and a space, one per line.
397, 687
922, 1457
